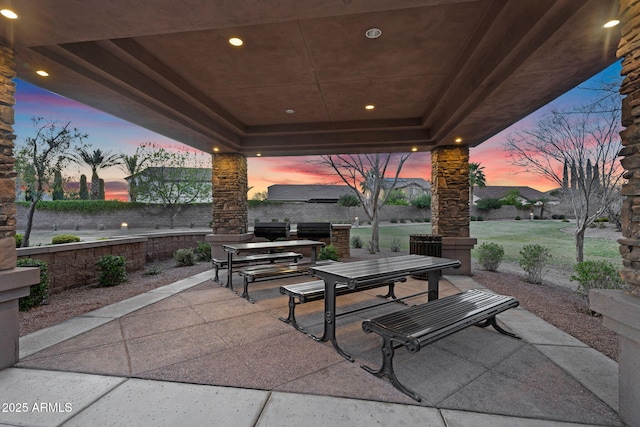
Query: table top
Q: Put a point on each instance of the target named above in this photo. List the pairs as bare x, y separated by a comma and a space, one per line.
363, 272
279, 244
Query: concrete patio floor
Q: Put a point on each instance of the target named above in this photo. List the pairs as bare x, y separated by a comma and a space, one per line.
195, 352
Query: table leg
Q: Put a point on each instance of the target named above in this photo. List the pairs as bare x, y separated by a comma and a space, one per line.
314, 253
230, 270
330, 320
434, 283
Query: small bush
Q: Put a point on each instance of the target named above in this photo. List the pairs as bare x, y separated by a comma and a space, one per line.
596, 275
402, 221
329, 252
152, 271
356, 242
112, 270
480, 218
393, 220
64, 238
427, 220
184, 257
472, 218
395, 245
18, 238
38, 292
490, 256
488, 203
203, 251
533, 260
518, 218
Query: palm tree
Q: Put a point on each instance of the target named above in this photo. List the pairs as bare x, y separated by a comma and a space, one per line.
132, 165
476, 178
96, 160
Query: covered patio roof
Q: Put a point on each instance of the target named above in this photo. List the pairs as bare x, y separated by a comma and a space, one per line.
441, 69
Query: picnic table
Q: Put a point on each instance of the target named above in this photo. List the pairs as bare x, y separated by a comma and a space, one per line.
265, 247
364, 273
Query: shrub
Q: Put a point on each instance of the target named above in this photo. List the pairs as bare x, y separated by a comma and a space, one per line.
402, 221
38, 292
490, 256
472, 218
533, 260
184, 257
329, 252
18, 238
112, 270
395, 245
64, 238
518, 218
393, 220
203, 251
596, 275
488, 203
356, 242
152, 271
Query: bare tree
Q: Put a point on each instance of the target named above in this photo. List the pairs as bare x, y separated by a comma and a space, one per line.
365, 174
45, 153
584, 143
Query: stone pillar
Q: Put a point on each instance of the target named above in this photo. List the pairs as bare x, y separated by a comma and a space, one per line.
230, 208
450, 204
621, 310
14, 282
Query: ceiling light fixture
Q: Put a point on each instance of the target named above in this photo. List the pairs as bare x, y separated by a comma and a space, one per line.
458, 140
414, 149
373, 33
9, 14
612, 23
216, 149
289, 111
369, 107
235, 41
259, 155
42, 73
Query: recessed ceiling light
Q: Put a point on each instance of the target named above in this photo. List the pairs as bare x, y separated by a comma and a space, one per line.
414, 149
289, 111
611, 23
373, 33
42, 73
458, 140
259, 155
369, 107
9, 14
216, 149
235, 41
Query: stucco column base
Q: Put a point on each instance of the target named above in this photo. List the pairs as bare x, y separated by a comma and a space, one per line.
621, 313
217, 240
14, 284
458, 248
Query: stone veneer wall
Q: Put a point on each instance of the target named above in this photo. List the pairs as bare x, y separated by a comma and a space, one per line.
230, 185
450, 191
7, 161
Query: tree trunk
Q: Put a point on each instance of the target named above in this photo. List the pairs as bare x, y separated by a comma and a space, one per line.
95, 186
375, 233
580, 244
27, 231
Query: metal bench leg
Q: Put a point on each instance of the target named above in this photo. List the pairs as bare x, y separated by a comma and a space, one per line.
216, 278
386, 370
245, 293
492, 322
292, 315
391, 293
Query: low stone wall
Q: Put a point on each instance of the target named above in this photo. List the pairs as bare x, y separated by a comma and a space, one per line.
72, 265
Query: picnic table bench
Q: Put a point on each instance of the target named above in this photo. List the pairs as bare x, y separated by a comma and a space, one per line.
219, 263
267, 272
420, 325
314, 291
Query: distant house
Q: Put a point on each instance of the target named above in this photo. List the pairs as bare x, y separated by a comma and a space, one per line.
309, 193
527, 194
168, 174
411, 187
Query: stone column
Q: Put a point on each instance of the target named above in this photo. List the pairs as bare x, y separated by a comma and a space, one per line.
230, 208
450, 204
14, 282
621, 310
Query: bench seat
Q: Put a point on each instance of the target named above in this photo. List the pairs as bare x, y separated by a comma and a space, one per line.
274, 271
219, 263
314, 290
420, 325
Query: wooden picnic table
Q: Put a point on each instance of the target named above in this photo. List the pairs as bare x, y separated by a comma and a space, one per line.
238, 248
363, 273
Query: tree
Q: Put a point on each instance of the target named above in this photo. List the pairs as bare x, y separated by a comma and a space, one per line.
260, 196
58, 191
84, 191
173, 178
423, 203
47, 151
96, 160
365, 175
397, 197
586, 139
132, 165
476, 178
349, 201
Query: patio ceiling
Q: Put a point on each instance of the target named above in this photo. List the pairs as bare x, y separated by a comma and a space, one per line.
441, 70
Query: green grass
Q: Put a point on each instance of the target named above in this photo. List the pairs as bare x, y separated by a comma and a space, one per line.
512, 235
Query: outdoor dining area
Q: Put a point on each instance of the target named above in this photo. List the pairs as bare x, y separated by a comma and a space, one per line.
198, 332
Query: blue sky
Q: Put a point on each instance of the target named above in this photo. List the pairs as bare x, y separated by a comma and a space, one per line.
120, 136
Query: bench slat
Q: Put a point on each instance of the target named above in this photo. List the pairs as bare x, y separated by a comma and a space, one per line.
219, 263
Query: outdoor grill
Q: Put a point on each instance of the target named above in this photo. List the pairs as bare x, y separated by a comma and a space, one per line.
314, 230
271, 230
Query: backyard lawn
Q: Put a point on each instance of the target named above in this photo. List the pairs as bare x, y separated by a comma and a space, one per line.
512, 235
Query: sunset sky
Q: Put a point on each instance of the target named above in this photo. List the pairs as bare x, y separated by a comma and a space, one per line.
118, 136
